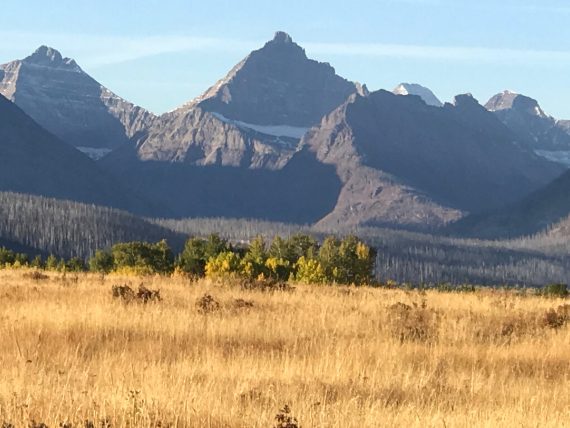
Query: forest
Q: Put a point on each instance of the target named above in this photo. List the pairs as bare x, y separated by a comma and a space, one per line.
42, 226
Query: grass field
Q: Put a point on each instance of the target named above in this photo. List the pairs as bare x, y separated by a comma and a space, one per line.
73, 356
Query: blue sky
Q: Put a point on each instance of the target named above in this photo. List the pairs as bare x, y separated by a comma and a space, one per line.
160, 54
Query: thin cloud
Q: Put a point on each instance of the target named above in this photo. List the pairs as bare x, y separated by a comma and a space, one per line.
454, 53
99, 51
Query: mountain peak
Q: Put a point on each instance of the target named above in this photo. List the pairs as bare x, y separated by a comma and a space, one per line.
421, 91
282, 37
45, 55
507, 100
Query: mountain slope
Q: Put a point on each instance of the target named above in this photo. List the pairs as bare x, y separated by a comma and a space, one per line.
421, 91
545, 135
255, 116
67, 229
547, 207
69, 103
404, 163
34, 161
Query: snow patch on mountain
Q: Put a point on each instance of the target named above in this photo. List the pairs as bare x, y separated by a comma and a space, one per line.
94, 153
559, 156
421, 91
296, 132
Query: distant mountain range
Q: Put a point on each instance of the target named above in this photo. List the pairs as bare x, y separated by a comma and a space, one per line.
69, 103
282, 137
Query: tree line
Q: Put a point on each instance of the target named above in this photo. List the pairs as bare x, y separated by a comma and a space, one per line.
296, 258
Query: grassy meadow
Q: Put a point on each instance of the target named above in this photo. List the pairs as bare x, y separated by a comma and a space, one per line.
215, 355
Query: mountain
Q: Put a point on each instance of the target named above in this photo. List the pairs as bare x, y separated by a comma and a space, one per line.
69, 103
414, 89
71, 229
542, 133
233, 152
405, 163
34, 161
546, 208
255, 116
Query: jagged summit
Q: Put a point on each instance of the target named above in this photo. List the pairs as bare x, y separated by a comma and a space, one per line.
511, 100
421, 91
464, 99
276, 85
282, 37
45, 54
49, 57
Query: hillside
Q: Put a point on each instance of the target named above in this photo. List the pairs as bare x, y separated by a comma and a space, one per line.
67, 229
34, 161
406, 164
537, 213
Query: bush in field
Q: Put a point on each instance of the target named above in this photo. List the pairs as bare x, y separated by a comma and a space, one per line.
555, 290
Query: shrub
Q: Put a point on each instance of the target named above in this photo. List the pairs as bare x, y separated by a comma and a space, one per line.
555, 290
285, 419
143, 295
36, 276
556, 318
207, 304
413, 322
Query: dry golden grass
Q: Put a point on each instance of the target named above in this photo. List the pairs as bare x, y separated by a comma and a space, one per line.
338, 356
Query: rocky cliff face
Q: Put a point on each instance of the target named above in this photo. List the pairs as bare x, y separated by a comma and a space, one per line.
66, 101
536, 130
408, 164
255, 116
278, 85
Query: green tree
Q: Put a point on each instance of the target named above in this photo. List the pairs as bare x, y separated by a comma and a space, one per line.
37, 262
281, 249
253, 263
7, 257
102, 261
143, 257
329, 259
75, 264
51, 263
301, 245
193, 258
214, 246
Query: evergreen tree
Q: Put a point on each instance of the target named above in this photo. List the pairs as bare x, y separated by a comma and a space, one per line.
193, 258
101, 262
